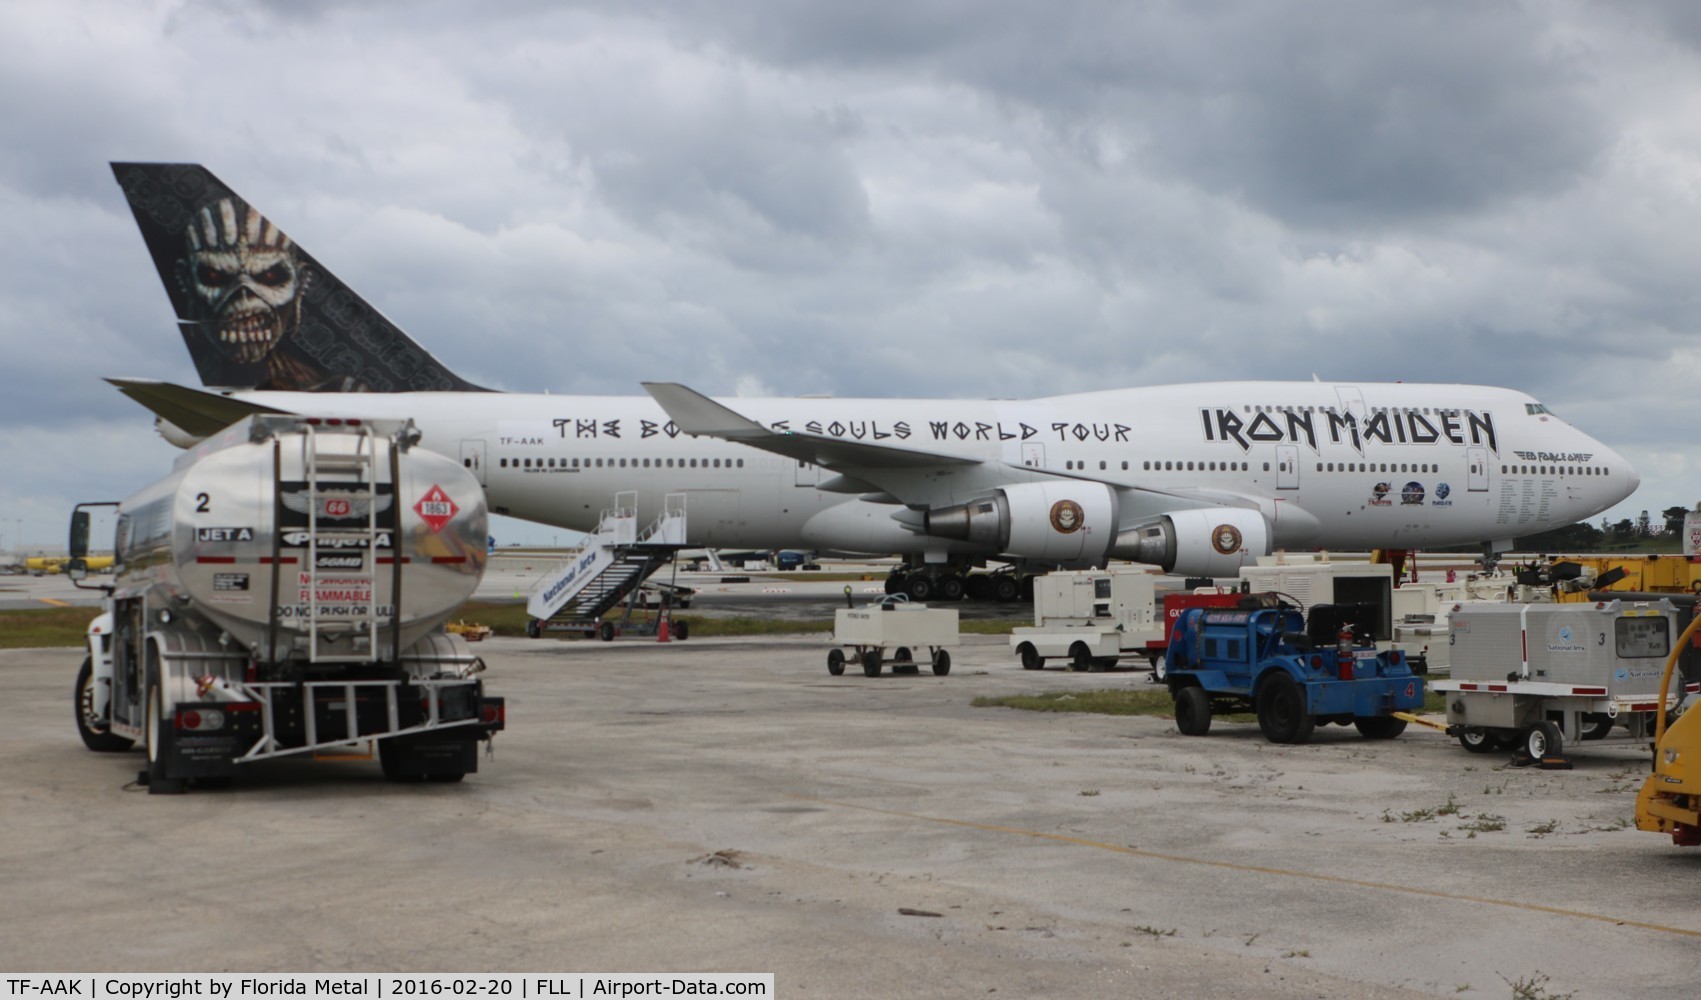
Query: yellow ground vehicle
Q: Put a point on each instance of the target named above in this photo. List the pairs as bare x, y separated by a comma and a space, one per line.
1670, 800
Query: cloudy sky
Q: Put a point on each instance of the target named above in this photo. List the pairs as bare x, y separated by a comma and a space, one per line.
937, 197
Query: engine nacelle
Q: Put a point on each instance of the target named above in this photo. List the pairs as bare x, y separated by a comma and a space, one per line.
1055, 521
1212, 541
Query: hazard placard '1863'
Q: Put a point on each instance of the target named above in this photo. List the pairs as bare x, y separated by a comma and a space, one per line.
435, 508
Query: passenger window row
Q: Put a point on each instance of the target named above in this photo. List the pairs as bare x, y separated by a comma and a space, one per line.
621, 463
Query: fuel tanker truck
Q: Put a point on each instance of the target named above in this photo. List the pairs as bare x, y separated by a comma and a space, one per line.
283, 592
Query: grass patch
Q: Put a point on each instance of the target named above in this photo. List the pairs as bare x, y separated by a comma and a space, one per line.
45, 627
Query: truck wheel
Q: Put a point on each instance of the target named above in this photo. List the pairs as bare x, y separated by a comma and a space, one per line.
1006, 589
1031, 660
941, 663
1543, 740
1192, 711
93, 730
681, 630
1080, 658
871, 663
1379, 727
835, 661
605, 631
1281, 710
1479, 741
158, 744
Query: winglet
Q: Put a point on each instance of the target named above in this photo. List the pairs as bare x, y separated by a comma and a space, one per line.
695, 413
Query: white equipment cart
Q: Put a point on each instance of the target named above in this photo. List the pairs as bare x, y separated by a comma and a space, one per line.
1533, 676
888, 632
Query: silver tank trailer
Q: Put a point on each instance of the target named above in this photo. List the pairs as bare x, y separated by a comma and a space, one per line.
287, 533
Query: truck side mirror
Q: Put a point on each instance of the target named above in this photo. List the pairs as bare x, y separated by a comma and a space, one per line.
79, 542
78, 569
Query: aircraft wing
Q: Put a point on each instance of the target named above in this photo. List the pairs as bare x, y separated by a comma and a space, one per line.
196, 412
695, 413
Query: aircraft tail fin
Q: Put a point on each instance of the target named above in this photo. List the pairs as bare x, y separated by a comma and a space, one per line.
257, 311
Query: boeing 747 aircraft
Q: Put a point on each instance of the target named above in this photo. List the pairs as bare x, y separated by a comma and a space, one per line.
1196, 479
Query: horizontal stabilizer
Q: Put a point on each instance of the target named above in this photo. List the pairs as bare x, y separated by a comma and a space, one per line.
196, 412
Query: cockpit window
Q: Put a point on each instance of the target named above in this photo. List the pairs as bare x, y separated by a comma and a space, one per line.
1538, 410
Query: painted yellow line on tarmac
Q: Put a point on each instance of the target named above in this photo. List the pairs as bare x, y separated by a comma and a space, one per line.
56, 602
1258, 869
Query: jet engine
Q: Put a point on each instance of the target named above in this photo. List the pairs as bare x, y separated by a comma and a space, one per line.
1054, 521
1211, 541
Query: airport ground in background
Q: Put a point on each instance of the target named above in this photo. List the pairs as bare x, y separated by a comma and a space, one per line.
725, 804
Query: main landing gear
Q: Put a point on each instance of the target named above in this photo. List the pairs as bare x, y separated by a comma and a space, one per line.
946, 584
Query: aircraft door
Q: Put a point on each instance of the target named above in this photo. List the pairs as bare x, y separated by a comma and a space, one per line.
808, 473
1287, 467
1477, 458
472, 456
1033, 455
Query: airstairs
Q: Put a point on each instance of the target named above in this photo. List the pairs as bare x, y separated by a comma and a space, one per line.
612, 563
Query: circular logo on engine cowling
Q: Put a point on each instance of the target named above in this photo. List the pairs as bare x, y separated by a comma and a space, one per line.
1067, 517
1225, 538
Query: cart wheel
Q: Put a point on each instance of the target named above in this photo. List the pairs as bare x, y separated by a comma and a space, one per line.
941, 663
1543, 740
1379, 727
1192, 711
534, 628
682, 631
1080, 658
902, 655
1597, 726
1031, 660
1479, 741
871, 663
835, 661
1282, 712
606, 631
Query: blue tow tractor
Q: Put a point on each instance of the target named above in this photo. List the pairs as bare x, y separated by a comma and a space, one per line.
1265, 656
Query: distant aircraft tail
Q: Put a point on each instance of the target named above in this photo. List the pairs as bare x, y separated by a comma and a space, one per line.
256, 310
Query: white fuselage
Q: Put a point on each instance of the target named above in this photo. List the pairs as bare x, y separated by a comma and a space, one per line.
1331, 465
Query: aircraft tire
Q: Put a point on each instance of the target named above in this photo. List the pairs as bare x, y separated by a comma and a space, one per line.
94, 731
951, 588
1006, 589
920, 587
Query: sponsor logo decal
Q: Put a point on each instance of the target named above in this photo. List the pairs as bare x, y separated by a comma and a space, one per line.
1379, 495
1442, 492
435, 508
1412, 494
1067, 517
334, 504
1225, 538
340, 561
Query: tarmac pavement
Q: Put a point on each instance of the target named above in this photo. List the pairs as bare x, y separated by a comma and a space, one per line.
726, 805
